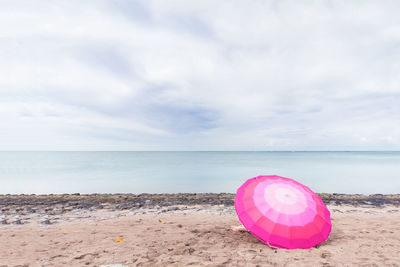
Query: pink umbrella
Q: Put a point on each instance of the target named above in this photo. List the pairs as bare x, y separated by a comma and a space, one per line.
282, 212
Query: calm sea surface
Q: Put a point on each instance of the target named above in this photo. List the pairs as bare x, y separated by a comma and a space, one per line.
173, 172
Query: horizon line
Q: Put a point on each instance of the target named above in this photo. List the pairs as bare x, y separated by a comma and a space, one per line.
199, 150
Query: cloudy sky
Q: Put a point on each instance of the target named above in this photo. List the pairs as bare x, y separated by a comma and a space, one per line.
199, 75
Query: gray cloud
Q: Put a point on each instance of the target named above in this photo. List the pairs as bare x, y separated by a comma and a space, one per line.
107, 58
137, 11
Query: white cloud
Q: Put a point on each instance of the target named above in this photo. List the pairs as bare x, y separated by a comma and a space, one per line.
199, 75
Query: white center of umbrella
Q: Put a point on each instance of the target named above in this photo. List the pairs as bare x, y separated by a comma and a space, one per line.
286, 196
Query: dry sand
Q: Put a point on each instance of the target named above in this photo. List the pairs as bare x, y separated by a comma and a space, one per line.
195, 235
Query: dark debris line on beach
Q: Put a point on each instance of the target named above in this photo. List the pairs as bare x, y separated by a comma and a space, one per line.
58, 204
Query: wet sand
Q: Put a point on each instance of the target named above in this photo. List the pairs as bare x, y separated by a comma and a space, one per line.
183, 229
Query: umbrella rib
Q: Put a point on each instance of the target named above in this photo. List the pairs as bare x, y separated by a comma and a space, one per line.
275, 223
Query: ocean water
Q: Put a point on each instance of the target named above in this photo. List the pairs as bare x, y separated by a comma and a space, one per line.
195, 172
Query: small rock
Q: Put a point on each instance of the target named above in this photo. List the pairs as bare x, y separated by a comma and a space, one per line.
45, 220
16, 220
3, 219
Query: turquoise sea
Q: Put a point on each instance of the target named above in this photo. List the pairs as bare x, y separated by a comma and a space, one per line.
175, 172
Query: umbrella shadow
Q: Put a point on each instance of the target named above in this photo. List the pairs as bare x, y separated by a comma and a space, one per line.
229, 237
244, 236
247, 237
335, 236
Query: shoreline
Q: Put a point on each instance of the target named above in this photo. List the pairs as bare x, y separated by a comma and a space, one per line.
49, 209
127, 200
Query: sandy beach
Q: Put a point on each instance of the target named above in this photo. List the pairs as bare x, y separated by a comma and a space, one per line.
183, 229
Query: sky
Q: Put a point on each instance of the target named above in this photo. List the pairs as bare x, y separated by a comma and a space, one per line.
199, 75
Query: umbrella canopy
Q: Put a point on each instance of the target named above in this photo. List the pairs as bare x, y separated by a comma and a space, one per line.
282, 212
